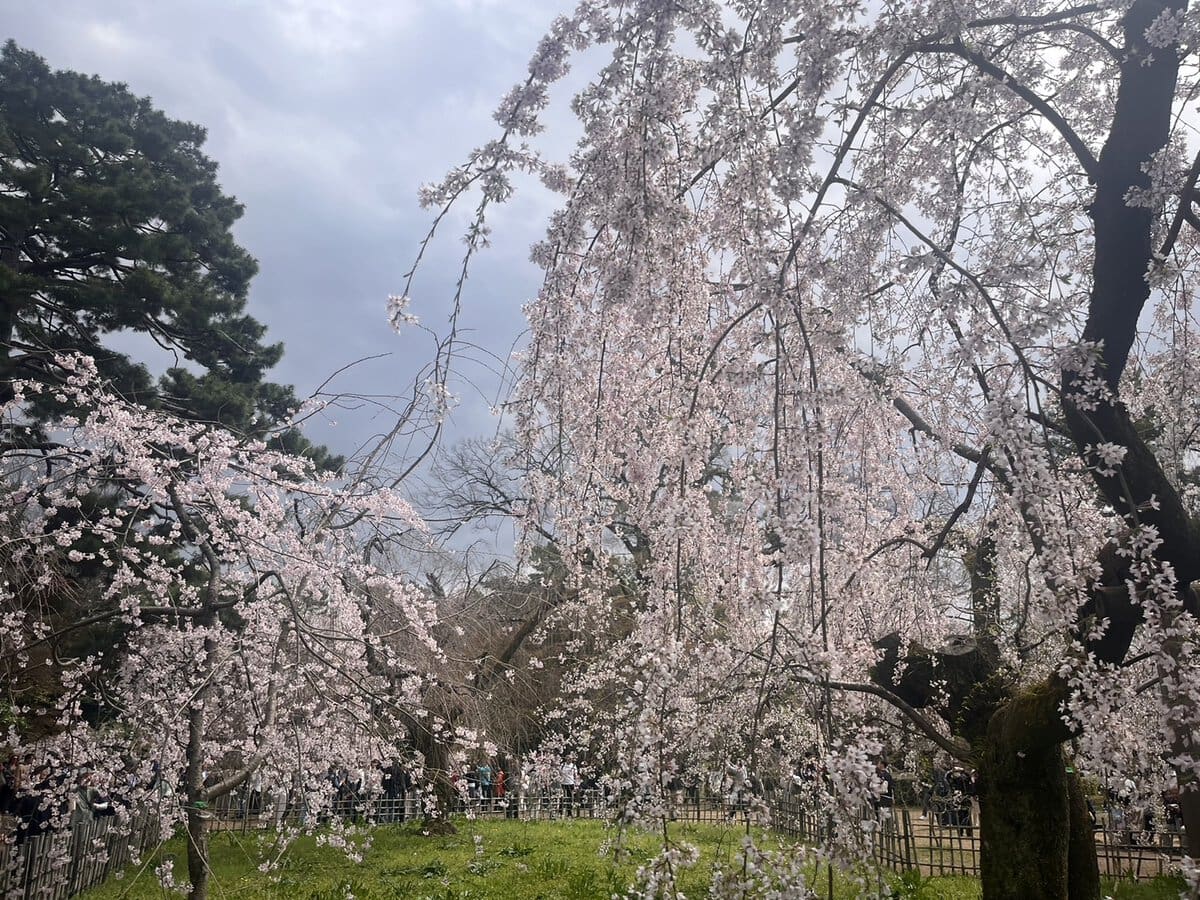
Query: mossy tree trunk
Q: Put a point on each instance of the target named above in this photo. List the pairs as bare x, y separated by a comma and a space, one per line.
1083, 872
1036, 837
437, 763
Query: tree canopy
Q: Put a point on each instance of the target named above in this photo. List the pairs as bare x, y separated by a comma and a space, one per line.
868, 333
226, 601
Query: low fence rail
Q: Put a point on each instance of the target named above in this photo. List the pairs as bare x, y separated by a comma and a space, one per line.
58, 865
902, 840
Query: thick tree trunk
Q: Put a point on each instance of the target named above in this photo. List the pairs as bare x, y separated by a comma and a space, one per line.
437, 770
437, 820
1184, 747
438, 777
1036, 837
1025, 822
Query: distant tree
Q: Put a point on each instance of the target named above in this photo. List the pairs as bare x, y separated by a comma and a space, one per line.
112, 220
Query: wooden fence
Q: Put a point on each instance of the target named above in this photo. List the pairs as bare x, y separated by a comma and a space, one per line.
58, 865
902, 840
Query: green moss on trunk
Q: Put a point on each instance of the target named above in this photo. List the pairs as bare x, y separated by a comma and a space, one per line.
1083, 874
1036, 838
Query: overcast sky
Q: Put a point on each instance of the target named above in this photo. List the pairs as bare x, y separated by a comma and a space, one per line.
325, 117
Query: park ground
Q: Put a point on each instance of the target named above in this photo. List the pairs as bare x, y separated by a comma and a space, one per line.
496, 860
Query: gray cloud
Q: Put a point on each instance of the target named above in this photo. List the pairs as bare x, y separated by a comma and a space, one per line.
325, 118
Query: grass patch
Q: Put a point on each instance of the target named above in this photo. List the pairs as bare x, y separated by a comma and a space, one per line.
496, 860
1161, 888
487, 859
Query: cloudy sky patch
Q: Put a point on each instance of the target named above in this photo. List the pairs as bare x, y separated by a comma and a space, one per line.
325, 117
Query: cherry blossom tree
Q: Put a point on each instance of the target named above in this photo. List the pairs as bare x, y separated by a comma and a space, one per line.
254, 633
867, 333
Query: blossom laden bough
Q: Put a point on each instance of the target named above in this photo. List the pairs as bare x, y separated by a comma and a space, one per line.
863, 370
240, 621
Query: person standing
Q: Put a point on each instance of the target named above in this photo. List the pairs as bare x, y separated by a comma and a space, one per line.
9, 783
958, 780
886, 798
406, 785
883, 797
738, 777
35, 808
486, 786
568, 777
391, 787
501, 792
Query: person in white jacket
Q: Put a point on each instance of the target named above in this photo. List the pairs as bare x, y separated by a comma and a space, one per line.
568, 777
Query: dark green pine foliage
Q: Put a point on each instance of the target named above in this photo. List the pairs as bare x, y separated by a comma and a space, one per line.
111, 221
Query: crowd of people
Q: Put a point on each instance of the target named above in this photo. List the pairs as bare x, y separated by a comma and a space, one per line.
545, 785
1137, 819
36, 797
948, 797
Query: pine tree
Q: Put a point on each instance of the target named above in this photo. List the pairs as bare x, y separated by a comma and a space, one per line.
112, 221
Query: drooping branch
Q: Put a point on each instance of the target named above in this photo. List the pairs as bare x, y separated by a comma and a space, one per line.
1081, 150
955, 749
1183, 212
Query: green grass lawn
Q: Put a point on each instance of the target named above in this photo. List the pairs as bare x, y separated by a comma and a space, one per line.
498, 860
